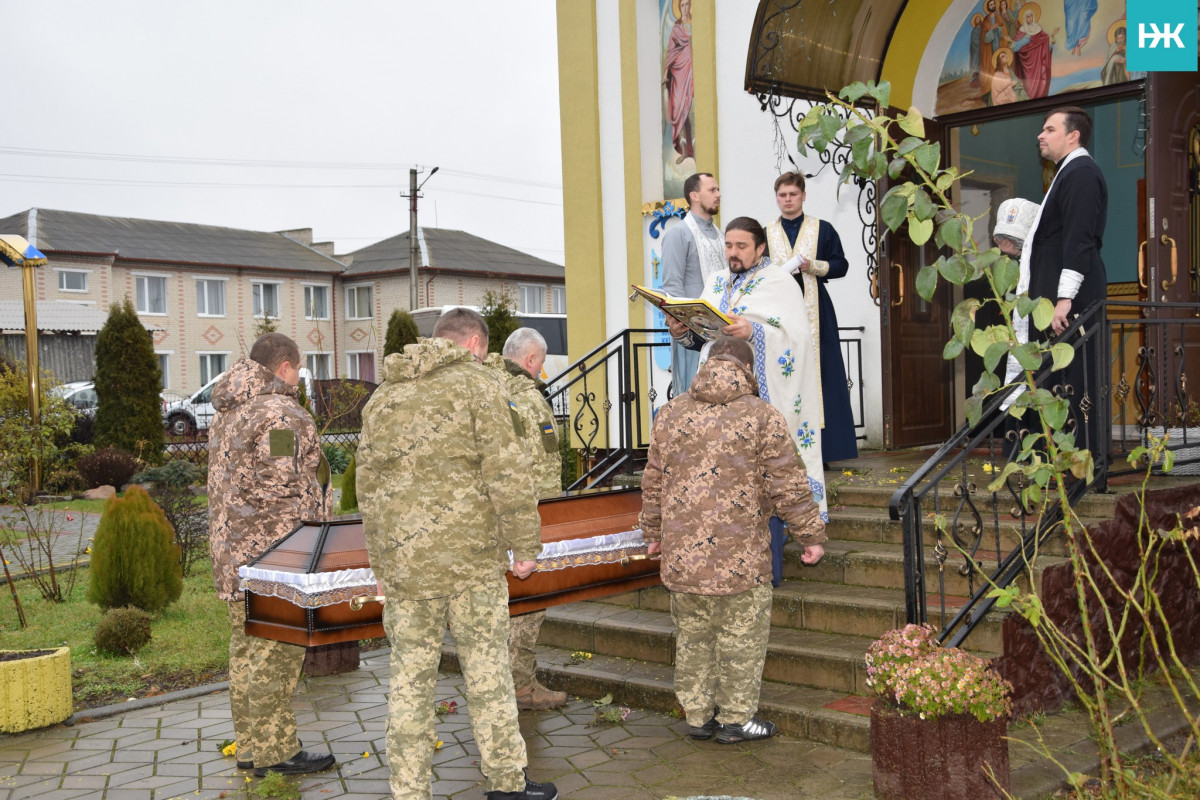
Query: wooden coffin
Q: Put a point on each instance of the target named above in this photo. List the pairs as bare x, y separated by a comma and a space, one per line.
321, 612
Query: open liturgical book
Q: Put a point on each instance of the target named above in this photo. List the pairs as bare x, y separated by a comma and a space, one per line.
701, 316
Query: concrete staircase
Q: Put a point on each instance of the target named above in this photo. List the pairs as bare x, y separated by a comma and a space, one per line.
823, 619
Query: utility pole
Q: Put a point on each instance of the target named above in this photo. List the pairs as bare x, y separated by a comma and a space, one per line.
413, 249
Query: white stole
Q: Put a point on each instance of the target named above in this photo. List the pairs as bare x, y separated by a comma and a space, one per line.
712, 251
806, 246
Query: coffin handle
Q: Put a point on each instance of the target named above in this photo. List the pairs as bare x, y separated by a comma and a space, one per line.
624, 562
356, 603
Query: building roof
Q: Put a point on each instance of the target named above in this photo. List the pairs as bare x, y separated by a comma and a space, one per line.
458, 251
55, 317
173, 242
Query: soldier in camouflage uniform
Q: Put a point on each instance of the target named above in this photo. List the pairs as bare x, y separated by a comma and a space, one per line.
444, 488
721, 461
266, 473
524, 354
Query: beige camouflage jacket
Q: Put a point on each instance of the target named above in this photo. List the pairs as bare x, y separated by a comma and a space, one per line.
720, 462
264, 457
443, 479
538, 431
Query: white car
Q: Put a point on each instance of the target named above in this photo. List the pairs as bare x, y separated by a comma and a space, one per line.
192, 414
80, 394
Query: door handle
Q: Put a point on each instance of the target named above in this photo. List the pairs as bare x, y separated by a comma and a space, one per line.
1167, 240
1142, 266
900, 294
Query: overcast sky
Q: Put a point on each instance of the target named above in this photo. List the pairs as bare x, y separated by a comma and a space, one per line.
137, 107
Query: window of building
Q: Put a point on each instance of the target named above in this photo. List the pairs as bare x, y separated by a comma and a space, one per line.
70, 280
164, 366
316, 302
211, 365
558, 299
361, 365
210, 298
151, 294
266, 299
320, 365
358, 302
533, 299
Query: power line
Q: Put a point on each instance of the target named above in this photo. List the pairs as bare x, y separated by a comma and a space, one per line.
259, 163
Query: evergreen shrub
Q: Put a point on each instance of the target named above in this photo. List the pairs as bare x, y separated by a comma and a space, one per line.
401, 330
349, 502
171, 487
122, 631
135, 561
337, 456
128, 382
107, 467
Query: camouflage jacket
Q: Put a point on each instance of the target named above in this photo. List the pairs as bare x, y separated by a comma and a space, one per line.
538, 431
720, 462
443, 479
263, 462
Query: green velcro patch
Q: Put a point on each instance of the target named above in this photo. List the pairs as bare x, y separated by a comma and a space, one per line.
283, 442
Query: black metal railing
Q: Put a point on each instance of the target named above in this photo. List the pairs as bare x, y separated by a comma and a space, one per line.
943, 501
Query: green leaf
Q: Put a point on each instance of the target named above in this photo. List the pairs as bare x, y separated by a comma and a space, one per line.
860, 153
980, 341
956, 270
919, 230
1005, 596
987, 257
879, 165
952, 350
1043, 314
927, 281
1055, 413
988, 382
974, 410
1063, 354
908, 145
999, 480
950, 232
830, 125
853, 92
912, 123
1025, 305
944, 180
1005, 273
923, 206
882, 92
896, 168
995, 352
927, 156
603, 701
1028, 355
894, 210
857, 131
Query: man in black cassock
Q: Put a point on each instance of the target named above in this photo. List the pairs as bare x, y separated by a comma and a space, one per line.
1062, 255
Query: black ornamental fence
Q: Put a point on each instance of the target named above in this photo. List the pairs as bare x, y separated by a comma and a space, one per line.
1133, 386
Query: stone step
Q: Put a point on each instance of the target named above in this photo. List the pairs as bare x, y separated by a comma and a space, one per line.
861, 524
870, 495
836, 608
799, 711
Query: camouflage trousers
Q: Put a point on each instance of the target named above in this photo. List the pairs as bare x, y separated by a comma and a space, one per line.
262, 677
720, 648
478, 618
522, 636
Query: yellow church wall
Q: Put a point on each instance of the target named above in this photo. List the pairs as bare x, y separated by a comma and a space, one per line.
913, 30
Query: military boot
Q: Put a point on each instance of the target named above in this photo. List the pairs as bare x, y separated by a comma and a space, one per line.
535, 697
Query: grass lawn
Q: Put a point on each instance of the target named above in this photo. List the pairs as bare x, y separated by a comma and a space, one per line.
189, 644
82, 506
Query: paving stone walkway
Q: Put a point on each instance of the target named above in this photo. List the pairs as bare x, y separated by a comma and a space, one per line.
170, 751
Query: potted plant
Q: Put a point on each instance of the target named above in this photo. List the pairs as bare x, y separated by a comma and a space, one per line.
35, 688
938, 727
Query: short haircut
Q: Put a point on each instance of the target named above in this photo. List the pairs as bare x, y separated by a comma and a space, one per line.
1076, 120
460, 324
790, 179
732, 347
692, 185
272, 349
751, 226
521, 342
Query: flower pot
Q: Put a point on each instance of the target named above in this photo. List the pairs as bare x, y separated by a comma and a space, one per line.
35, 690
936, 759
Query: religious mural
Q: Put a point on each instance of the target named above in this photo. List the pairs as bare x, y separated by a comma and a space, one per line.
679, 116
1012, 50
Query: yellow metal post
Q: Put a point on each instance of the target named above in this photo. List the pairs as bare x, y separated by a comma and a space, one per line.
31, 360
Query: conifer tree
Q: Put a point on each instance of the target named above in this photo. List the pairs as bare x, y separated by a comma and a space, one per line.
501, 319
401, 330
128, 382
135, 561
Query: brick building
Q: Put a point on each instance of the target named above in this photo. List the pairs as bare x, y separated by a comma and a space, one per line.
205, 289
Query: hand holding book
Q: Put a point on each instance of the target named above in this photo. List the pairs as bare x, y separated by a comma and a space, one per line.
700, 316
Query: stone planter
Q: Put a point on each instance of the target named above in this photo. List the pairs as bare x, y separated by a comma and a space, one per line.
35, 690
936, 759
